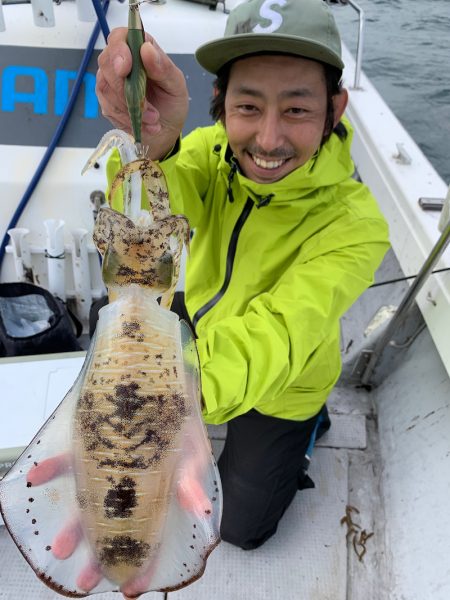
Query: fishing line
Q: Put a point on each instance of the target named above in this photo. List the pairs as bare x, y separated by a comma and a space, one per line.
405, 278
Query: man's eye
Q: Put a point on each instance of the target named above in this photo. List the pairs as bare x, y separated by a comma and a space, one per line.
295, 110
247, 108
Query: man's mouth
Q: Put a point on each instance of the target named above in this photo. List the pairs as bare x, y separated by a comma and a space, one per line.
267, 164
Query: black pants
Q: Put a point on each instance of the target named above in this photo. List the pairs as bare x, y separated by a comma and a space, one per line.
261, 468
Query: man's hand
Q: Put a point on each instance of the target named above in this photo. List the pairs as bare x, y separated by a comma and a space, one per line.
190, 493
166, 104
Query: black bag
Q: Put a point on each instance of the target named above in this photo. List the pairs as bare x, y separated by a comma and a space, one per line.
93, 313
33, 321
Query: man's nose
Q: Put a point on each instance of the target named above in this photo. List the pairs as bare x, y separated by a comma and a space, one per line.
270, 131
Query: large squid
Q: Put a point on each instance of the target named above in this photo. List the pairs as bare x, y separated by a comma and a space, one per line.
119, 489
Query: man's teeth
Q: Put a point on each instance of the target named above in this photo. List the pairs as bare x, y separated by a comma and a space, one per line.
267, 164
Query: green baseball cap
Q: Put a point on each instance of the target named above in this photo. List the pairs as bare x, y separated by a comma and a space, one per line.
301, 27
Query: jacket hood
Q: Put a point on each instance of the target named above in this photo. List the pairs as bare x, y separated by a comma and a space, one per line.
331, 165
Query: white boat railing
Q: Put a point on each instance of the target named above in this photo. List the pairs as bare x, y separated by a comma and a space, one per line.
360, 42
372, 356
399, 185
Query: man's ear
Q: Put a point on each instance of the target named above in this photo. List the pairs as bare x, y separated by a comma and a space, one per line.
340, 101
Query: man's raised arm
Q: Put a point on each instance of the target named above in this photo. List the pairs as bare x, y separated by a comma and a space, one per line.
166, 103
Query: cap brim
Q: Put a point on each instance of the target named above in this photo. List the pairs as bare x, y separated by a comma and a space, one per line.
215, 54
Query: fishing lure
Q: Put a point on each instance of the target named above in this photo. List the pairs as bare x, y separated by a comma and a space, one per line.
136, 81
119, 490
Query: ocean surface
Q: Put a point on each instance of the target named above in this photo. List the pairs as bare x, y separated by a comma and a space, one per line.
407, 57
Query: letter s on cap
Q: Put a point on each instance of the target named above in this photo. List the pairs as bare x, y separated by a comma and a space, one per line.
273, 16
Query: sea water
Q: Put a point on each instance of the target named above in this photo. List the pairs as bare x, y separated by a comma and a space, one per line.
407, 57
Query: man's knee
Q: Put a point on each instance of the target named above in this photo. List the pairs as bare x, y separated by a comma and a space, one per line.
259, 469
239, 535
250, 515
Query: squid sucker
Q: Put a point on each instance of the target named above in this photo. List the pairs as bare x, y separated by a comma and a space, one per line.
119, 490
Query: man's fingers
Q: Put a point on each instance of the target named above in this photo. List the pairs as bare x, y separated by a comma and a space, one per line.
114, 64
150, 116
117, 54
161, 70
89, 577
117, 35
139, 585
192, 497
112, 106
67, 540
110, 95
49, 469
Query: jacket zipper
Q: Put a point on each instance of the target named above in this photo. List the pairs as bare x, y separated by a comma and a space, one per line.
230, 261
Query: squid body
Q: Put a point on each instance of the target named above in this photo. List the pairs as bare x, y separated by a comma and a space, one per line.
119, 490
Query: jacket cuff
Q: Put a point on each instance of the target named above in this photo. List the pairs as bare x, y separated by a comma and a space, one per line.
174, 151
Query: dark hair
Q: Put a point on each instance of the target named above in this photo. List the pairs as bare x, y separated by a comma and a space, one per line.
333, 80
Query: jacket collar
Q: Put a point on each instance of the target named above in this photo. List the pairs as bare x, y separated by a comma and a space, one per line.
331, 165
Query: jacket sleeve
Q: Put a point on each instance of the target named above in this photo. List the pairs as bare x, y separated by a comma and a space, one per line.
188, 175
248, 359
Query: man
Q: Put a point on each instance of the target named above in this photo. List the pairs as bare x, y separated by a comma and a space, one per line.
285, 240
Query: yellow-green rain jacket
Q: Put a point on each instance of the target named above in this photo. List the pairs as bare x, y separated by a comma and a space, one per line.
272, 269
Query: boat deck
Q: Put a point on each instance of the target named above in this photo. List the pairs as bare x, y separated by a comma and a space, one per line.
310, 557
313, 555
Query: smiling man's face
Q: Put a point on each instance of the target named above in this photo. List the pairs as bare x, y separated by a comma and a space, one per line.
275, 110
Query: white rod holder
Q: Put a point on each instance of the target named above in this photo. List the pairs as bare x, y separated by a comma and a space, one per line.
2, 19
81, 273
21, 253
55, 257
43, 13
